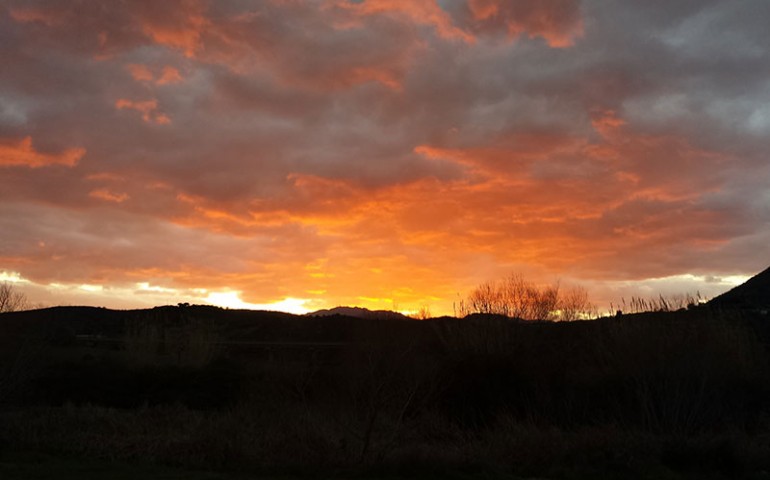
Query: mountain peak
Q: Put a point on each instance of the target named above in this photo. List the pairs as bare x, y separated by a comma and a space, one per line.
359, 312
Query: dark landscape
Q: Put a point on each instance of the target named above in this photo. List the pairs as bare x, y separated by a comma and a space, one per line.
184, 391
384, 239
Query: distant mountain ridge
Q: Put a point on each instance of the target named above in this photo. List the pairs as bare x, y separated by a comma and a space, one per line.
359, 312
754, 294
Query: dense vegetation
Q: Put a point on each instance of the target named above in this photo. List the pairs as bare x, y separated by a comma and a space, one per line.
662, 394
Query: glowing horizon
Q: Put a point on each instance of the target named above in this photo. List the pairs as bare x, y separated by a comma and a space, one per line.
120, 298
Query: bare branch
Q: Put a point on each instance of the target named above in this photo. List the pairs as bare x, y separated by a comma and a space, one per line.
10, 299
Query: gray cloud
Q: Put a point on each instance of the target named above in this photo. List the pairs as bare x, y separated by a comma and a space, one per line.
615, 141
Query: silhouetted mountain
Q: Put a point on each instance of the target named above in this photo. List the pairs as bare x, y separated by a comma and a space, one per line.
358, 312
752, 295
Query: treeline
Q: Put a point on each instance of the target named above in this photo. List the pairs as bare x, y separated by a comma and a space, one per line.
515, 297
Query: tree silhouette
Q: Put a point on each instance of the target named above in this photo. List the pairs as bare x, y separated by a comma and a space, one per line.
10, 299
518, 298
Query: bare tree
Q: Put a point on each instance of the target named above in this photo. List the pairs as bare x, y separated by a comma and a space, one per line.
574, 305
10, 299
486, 298
518, 298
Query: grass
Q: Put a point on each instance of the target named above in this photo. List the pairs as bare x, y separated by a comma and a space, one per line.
184, 445
38, 466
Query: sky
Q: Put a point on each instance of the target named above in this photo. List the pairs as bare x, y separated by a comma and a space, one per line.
390, 154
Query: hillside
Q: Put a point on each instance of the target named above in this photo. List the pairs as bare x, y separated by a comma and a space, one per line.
752, 295
65, 324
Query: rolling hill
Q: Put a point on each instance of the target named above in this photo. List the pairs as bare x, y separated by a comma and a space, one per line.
754, 294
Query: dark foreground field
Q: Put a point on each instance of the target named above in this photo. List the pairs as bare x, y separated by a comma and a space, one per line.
200, 392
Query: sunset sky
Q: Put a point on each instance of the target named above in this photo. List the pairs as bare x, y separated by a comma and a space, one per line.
390, 154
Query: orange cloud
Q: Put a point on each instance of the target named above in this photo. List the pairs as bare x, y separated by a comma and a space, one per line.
142, 73
520, 149
107, 195
28, 15
557, 21
606, 122
148, 109
105, 176
179, 25
169, 75
420, 13
342, 45
23, 153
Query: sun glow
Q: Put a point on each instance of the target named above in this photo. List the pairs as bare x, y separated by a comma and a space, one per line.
11, 277
232, 299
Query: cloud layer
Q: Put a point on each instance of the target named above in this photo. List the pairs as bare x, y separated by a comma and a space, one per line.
380, 152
